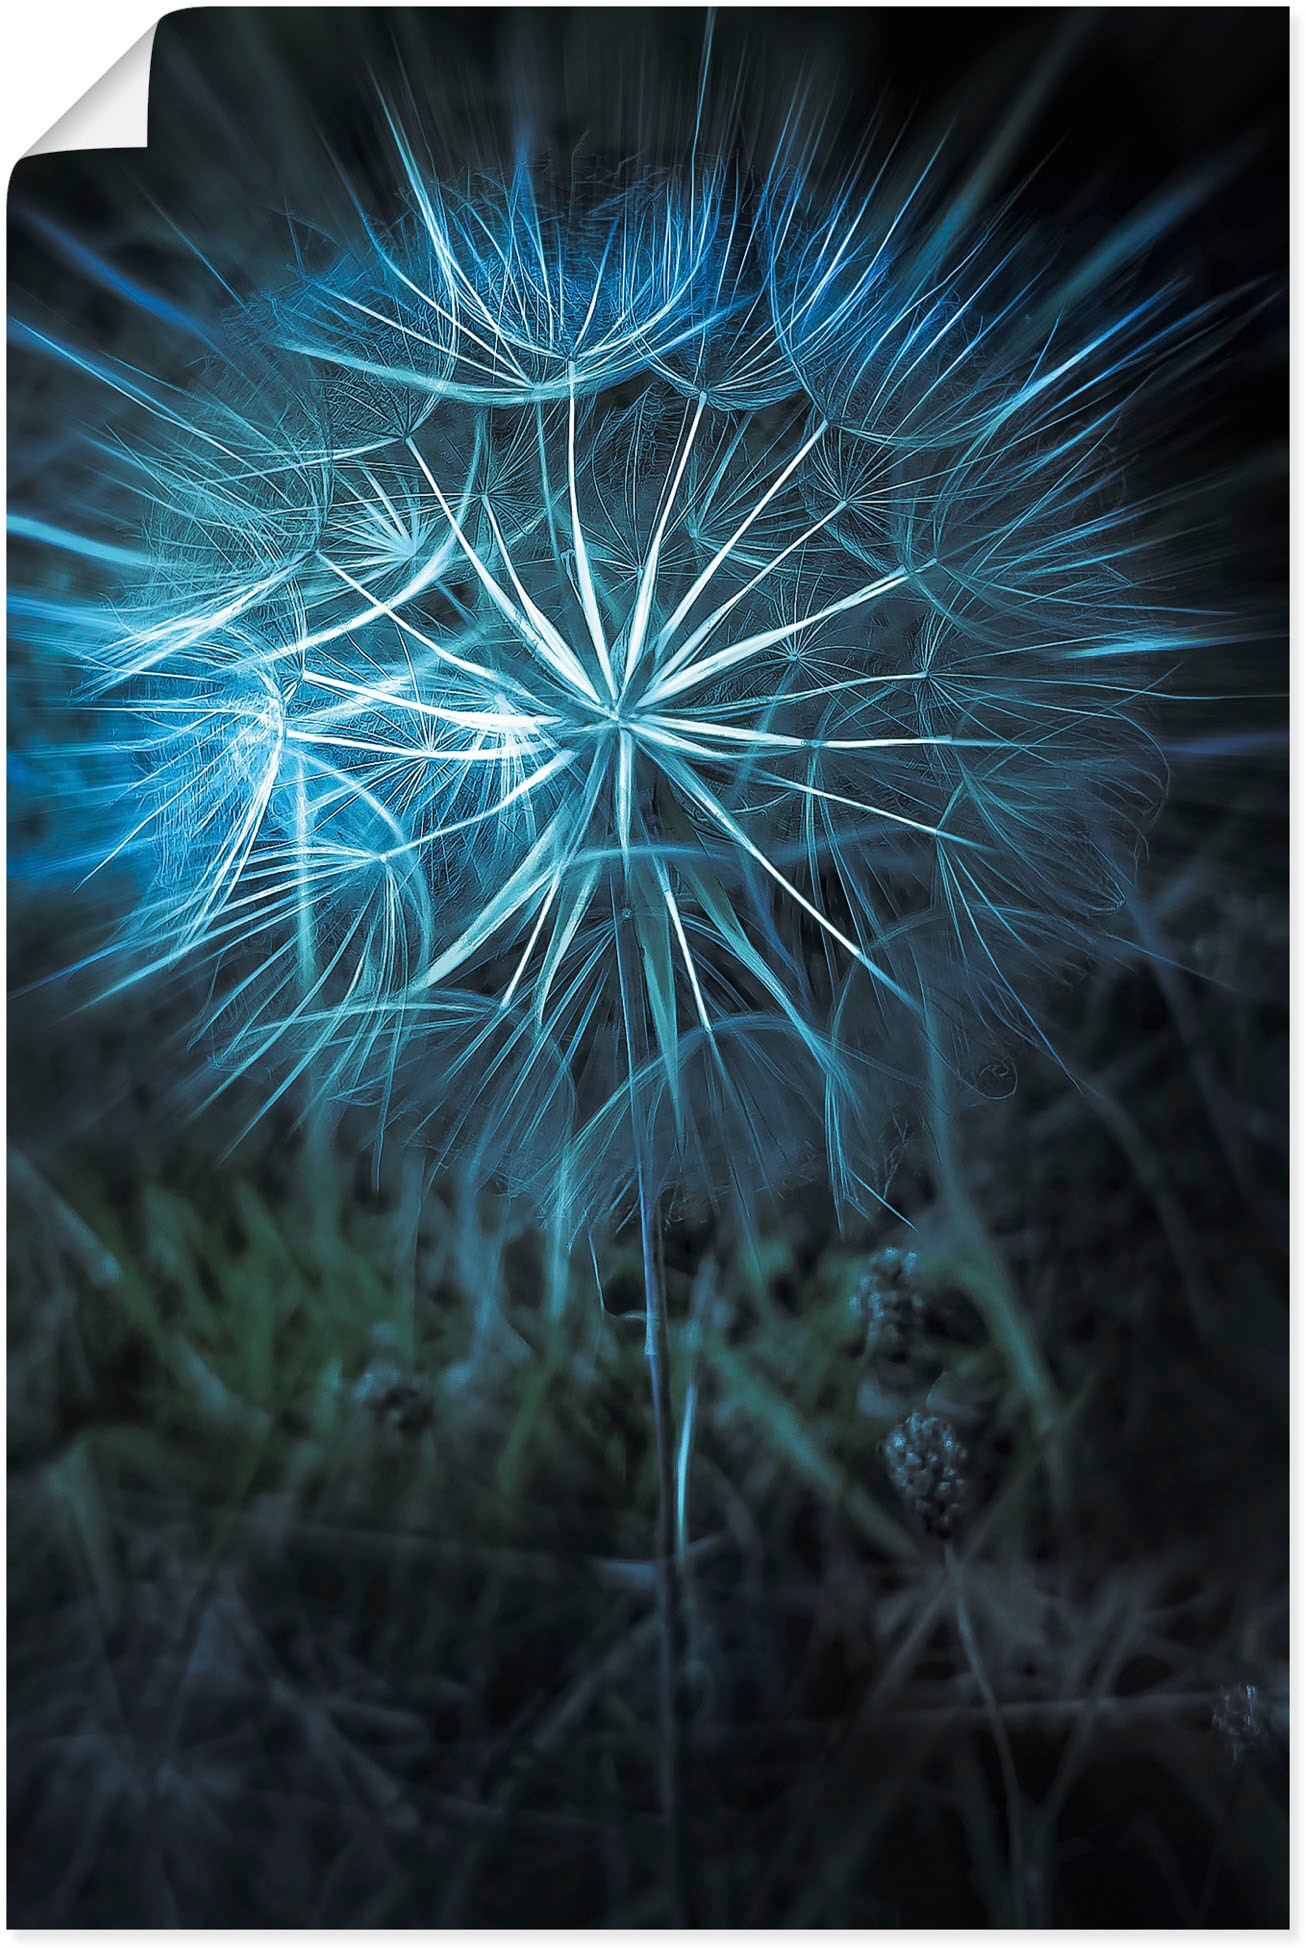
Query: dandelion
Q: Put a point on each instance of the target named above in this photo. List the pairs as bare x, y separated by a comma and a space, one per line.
609, 676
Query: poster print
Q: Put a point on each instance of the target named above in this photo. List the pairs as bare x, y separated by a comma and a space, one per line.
647, 928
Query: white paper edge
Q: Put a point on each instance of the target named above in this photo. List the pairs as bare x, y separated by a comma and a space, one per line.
114, 114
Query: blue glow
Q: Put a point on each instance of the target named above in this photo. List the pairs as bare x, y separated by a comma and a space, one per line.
655, 652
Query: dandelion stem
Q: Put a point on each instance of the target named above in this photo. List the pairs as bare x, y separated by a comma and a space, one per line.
1010, 1783
670, 1592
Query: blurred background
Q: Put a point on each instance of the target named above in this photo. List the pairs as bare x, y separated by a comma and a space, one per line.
331, 1492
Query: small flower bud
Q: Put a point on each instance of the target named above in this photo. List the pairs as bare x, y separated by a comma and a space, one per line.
398, 1401
929, 1466
889, 1300
1240, 1719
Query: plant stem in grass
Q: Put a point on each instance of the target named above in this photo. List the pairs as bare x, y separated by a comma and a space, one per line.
1010, 1783
670, 1596
670, 1592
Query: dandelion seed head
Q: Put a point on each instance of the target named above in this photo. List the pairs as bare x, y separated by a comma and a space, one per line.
609, 668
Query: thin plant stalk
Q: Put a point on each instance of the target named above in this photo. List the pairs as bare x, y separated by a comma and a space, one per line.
667, 1568
669, 1582
1010, 1783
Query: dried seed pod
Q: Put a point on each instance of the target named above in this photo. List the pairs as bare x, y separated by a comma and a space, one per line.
889, 1300
1240, 1719
929, 1466
398, 1401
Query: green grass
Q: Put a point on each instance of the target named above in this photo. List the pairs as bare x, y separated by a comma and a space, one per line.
257, 1625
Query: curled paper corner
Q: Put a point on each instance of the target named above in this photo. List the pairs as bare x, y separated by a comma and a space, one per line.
114, 113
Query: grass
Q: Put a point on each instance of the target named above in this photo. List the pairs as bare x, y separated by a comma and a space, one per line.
288, 1649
